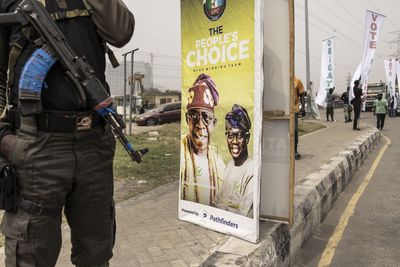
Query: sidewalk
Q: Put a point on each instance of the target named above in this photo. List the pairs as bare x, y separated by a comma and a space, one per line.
149, 233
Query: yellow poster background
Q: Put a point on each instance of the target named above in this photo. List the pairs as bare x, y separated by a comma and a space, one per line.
234, 79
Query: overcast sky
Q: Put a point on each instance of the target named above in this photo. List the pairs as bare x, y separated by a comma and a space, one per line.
158, 32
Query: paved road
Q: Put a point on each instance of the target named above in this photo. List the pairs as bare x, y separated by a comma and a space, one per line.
372, 235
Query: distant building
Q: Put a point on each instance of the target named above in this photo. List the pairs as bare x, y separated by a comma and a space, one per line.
153, 97
115, 77
156, 98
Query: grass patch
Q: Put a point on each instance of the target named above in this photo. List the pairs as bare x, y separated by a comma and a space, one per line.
306, 127
159, 166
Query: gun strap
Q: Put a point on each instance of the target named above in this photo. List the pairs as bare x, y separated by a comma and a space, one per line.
28, 127
88, 7
14, 53
62, 4
113, 60
69, 14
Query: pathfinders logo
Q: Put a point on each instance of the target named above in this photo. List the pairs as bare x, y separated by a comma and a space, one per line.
204, 216
214, 8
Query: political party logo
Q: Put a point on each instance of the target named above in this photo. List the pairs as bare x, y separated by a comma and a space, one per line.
214, 8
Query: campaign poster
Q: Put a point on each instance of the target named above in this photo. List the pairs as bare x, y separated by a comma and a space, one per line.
221, 128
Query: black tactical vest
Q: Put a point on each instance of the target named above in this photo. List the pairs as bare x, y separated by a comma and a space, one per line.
59, 93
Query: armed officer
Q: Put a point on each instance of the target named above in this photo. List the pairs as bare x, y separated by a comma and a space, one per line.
61, 150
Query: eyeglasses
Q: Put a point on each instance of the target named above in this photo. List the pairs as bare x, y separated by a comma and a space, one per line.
238, 135
205, 116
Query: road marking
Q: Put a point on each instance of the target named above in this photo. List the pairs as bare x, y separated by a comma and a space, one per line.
333, 242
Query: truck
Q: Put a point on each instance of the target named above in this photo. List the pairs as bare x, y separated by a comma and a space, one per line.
372, 91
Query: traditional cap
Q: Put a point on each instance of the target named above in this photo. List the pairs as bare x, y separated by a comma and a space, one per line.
203, 93
238, 118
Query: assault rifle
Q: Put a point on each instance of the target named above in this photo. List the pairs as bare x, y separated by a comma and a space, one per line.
52, 46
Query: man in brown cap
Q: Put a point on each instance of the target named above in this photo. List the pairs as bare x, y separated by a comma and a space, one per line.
201, 168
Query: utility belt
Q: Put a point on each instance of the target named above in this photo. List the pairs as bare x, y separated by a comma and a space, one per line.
60, 121
48, 121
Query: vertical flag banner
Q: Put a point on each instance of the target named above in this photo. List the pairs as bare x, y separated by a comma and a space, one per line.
396, 92
373, 26
327, 79
390, 71
221, 128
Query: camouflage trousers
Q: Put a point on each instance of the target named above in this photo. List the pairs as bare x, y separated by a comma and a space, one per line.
63, 171
347, 109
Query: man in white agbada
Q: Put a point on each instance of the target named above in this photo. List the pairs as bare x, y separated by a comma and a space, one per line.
202, 169
237, 188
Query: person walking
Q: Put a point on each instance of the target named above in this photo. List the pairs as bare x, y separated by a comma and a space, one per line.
392, 111
61, 150
201, 168
298, 93
347, 108
356, 101
330, 105
380, 109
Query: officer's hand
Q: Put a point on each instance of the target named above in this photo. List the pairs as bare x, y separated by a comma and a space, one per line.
7, 145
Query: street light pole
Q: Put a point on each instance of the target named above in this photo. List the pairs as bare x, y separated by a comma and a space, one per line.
131, 87
309, 93
311, 113
125, 90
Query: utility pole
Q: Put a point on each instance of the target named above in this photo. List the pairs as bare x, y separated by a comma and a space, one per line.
125, 80
152, 70
307, 50
131, 87
348, 80
311, 110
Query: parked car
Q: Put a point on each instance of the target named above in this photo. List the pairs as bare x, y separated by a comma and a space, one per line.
165, 113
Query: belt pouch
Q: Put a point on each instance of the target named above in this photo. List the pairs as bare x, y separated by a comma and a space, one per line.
8, 187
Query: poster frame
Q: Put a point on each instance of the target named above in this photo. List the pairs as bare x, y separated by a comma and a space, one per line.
282, 115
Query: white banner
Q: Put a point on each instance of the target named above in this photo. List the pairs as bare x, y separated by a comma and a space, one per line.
396, 92
327, 79
373, 25
390, 72
356, 76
